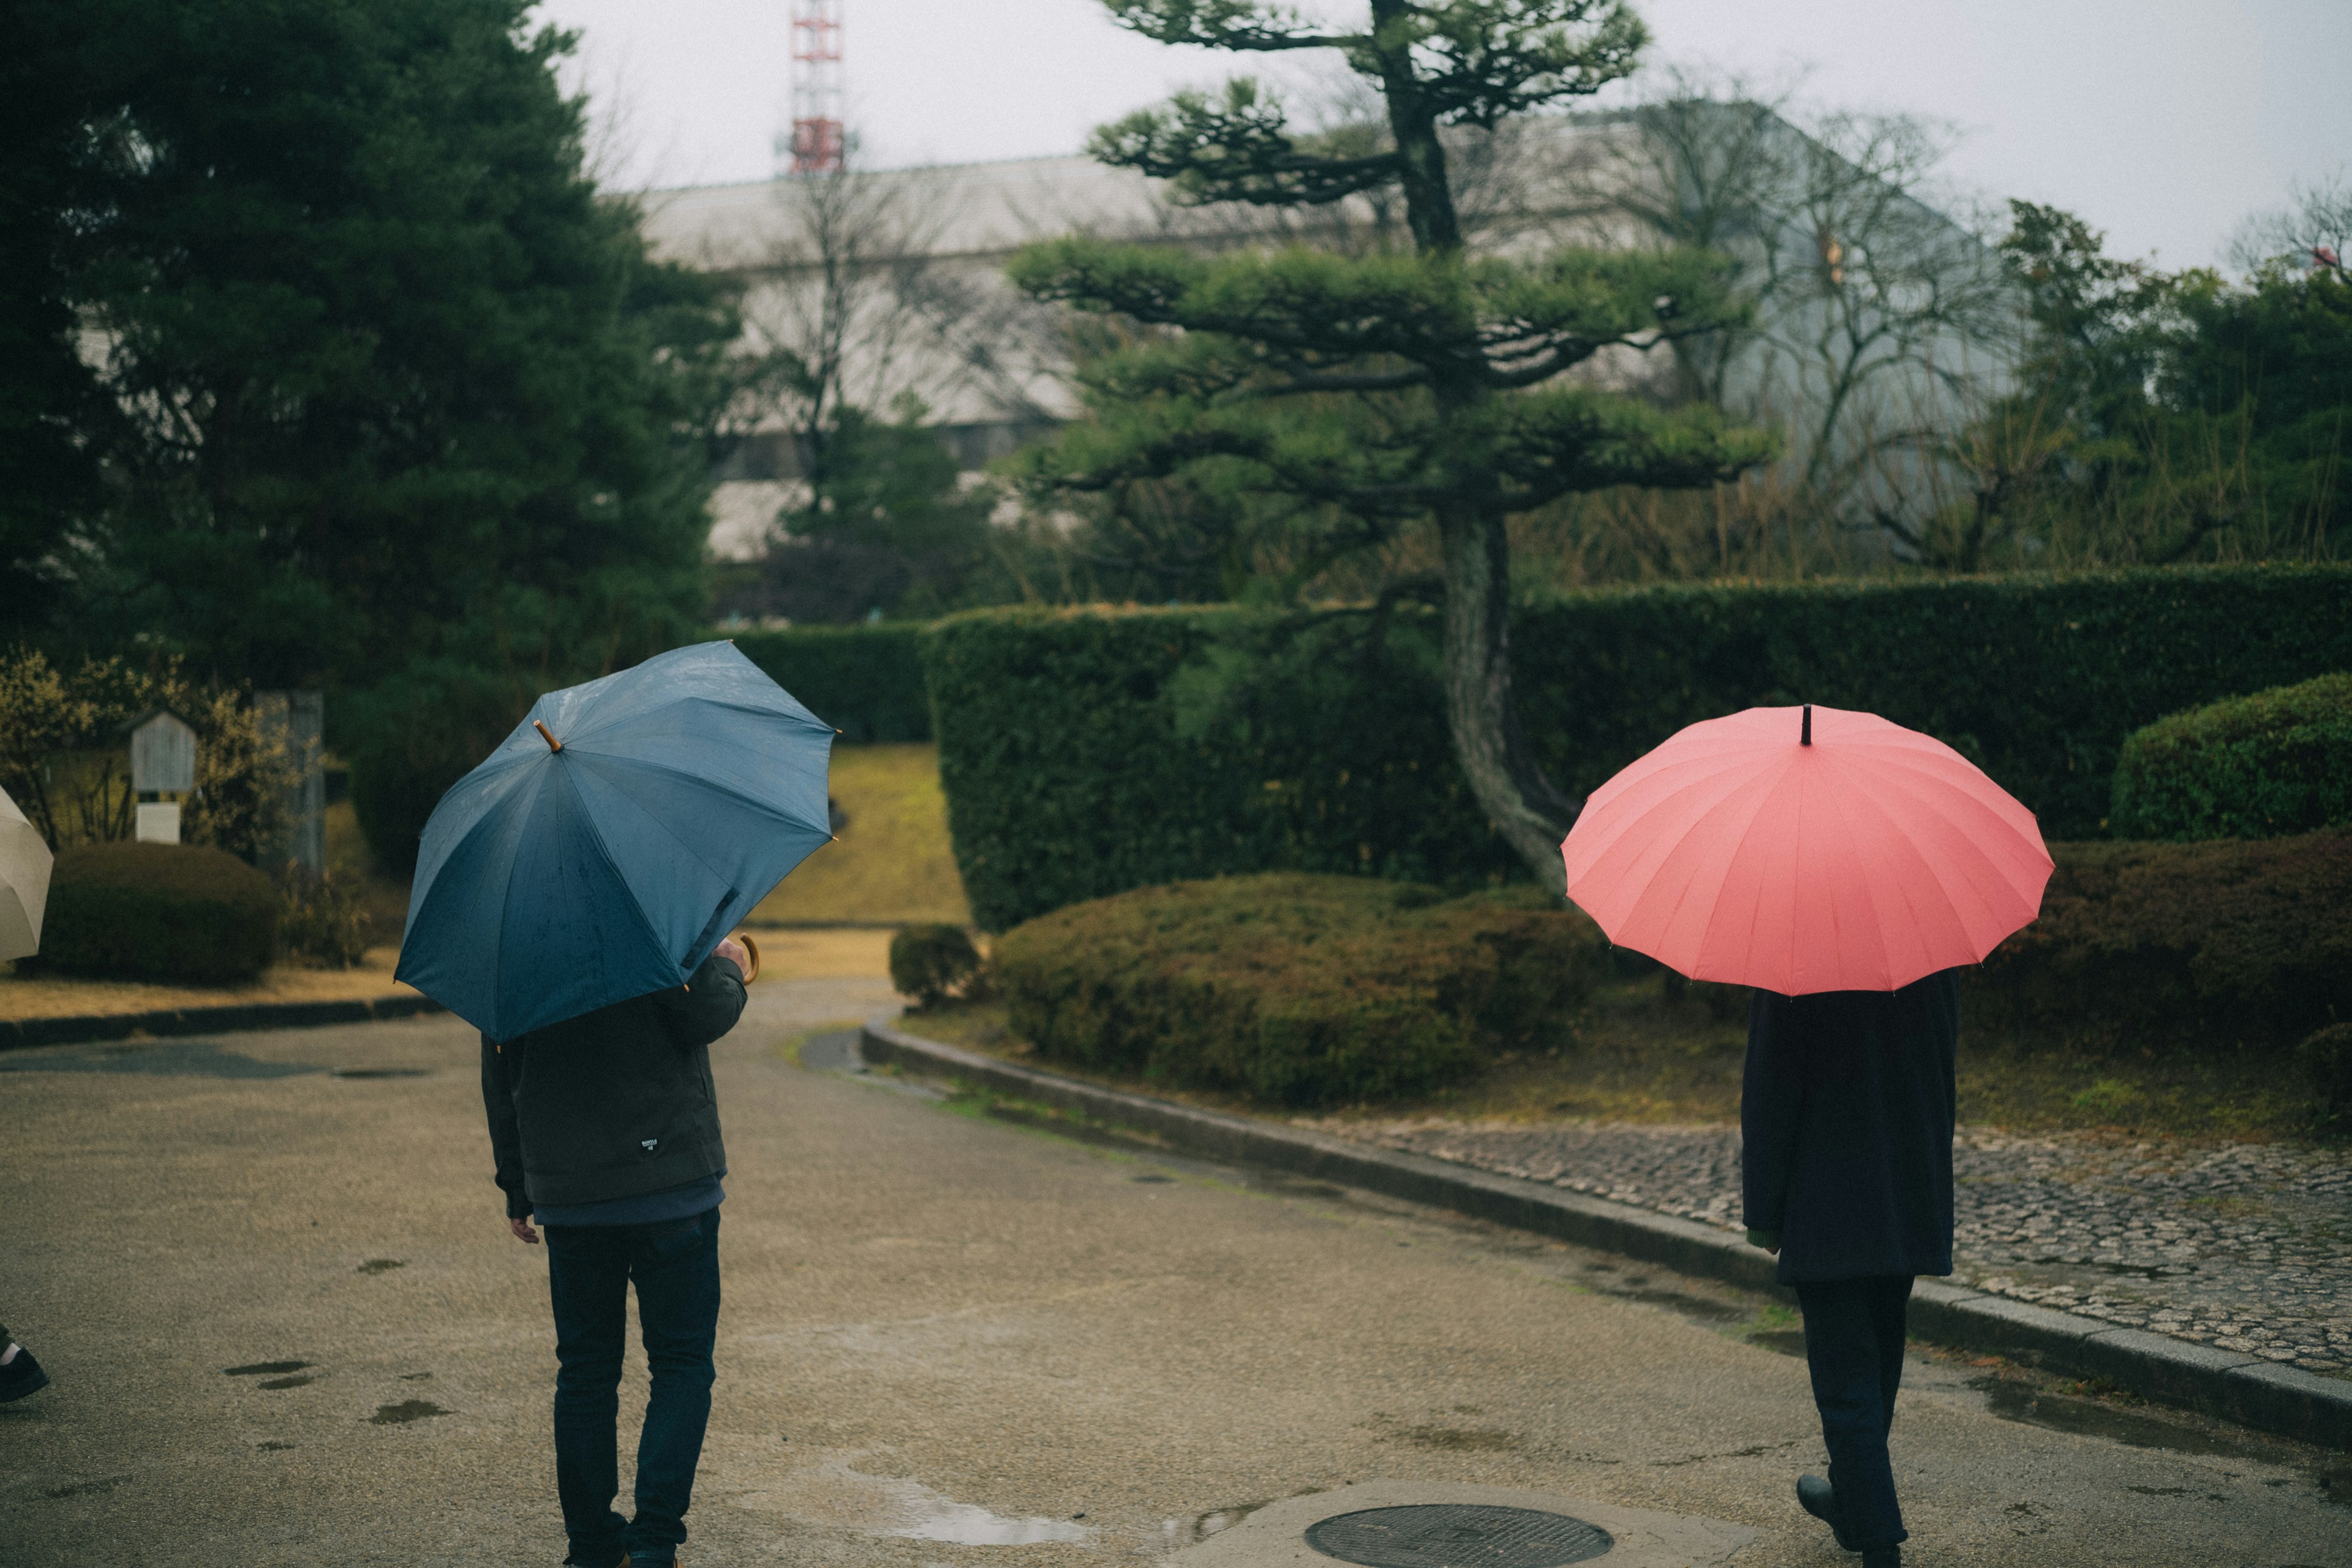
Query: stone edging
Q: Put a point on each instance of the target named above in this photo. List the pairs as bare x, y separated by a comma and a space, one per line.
17, 1034
2227, 1383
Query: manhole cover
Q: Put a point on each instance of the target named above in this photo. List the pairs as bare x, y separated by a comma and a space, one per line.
1458, 1536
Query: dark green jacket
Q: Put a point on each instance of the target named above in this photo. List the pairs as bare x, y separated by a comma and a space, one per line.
613, 1103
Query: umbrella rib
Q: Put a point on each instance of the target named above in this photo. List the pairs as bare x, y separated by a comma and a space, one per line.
1979, 871
1731, 799
637, 905
1600, 844
596, 724
1878, 917
509, 777
705, 782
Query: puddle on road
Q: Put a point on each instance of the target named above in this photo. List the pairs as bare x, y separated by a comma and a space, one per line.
408, 1410
831, 1493
86, 1488
263, 1369
2094, 1418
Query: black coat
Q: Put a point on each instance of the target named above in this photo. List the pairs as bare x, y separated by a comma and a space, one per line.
614, 1103
1845, 1118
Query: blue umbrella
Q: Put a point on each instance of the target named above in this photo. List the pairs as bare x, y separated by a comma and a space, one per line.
613, 839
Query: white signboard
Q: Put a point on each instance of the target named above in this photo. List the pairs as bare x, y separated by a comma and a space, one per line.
163, 758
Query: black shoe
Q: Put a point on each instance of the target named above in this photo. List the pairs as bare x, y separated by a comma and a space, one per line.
1883, 1557
22, 1376
1815, 1496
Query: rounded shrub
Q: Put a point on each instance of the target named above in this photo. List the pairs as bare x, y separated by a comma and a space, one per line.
2271, 765
2223, 943
1294, 989
927, 961
176, 912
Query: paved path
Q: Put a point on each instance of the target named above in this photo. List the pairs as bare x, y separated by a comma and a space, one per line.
947, 1342
2244, 1245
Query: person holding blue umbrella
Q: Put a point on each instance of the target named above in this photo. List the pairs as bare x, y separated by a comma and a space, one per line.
572, 901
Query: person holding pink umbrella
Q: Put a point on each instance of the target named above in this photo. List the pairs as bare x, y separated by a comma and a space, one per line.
1846, 868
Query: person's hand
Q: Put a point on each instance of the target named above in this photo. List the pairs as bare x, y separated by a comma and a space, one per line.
523, 1231
1769, 1240
731, 950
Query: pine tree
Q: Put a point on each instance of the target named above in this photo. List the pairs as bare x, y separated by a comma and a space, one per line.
1389, 389
384, 376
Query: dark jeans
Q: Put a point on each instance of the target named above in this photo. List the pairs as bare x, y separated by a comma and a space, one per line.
1853, 1345
675, 1265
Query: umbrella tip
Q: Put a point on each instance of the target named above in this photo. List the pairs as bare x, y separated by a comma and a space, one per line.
1805, 738
552, 743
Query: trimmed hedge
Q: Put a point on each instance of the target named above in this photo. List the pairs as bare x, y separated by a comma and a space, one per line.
177, 912
2265, 766
930, 962
866, 682
2242, 942
1295, 989
1088, 751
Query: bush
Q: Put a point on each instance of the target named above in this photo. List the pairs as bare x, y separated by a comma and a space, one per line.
2230, 942
176, 912
928, 962
2327, 1059
1088, 751
2265, 766
409, 739
866, 682
320, 922
1294, 989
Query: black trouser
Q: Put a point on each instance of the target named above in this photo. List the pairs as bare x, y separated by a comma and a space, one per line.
1854, 1346
675, 1267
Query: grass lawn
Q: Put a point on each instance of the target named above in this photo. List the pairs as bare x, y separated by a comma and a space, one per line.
1643, 1056
891, 866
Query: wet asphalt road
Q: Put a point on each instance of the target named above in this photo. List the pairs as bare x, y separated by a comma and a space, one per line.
269, 1276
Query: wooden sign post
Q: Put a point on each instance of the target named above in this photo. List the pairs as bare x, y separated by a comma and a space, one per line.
162, 764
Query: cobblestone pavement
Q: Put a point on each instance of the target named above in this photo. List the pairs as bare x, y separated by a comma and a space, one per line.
2244, 1245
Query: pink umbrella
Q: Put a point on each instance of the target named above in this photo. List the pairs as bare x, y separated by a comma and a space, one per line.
1802, 851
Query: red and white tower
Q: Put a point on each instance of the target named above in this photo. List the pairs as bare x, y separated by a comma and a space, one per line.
816, 144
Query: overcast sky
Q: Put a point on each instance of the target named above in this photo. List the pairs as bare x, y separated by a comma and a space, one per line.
2163, 121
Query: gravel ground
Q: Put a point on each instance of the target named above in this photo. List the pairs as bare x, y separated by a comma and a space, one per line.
2244, 1245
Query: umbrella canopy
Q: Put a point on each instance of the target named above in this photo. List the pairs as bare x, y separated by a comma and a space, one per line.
612, 840
23, 882
1806, 850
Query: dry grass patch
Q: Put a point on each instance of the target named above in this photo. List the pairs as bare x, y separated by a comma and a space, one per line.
56, 996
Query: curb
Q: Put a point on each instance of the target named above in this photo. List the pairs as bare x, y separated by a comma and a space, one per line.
20, 1034
2234, 1387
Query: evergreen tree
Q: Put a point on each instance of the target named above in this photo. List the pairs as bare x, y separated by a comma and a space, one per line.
385, 377
1385, 390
